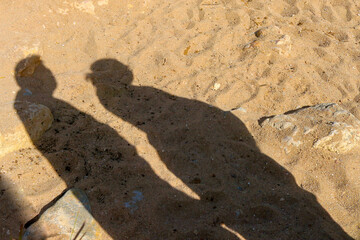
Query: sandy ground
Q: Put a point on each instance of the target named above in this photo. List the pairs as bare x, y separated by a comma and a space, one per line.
156, 107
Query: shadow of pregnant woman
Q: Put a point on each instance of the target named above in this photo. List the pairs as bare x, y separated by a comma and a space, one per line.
90, 155
212, 152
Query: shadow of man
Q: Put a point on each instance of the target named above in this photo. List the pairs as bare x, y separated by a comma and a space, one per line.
87, 154
213, 153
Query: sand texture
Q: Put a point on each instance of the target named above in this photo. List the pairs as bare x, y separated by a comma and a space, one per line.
213, 119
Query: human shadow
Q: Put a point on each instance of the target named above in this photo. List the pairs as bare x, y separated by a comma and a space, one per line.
124, 193
212, 152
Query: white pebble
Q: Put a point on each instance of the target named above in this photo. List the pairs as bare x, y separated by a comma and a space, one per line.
216, 86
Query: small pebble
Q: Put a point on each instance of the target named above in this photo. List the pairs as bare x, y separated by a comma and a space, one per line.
217, 86
259, 33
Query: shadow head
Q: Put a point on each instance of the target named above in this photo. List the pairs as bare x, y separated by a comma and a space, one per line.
32, 74
110, 72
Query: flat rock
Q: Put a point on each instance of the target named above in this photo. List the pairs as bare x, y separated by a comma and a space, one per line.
325, 126
69, 218
20, 127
